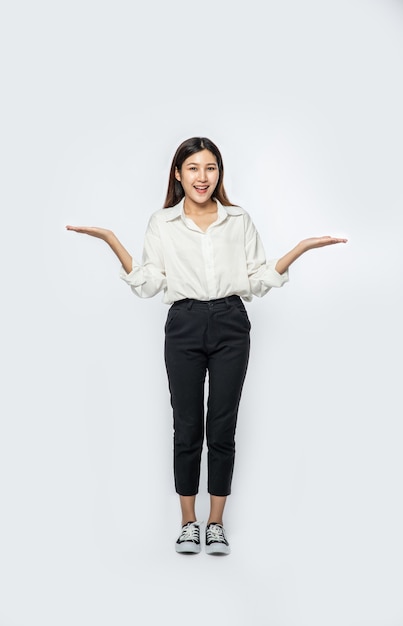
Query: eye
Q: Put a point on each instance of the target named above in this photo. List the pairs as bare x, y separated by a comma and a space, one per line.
212, 168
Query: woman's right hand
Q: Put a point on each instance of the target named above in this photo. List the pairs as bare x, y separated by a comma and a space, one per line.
94, 231
111, 239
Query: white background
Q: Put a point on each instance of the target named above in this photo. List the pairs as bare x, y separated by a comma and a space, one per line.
305, 101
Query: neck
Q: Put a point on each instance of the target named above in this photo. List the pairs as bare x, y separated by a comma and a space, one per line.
190, 207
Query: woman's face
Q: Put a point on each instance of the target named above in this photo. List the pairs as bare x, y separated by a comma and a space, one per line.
199, 176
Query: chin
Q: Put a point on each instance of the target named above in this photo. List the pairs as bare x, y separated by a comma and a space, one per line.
202, 199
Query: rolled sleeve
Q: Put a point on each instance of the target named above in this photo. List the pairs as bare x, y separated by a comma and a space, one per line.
261, 273
148, 278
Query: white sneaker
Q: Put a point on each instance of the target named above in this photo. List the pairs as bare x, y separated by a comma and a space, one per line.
216, 541
189, 540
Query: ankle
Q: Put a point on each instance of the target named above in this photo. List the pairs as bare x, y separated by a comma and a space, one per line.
188, 520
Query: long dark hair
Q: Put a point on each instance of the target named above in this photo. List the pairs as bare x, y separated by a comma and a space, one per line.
175, 191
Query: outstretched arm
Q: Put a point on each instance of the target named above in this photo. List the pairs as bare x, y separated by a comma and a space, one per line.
303, 246
110, 238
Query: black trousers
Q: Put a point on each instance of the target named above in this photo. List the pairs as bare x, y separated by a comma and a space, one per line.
208, 336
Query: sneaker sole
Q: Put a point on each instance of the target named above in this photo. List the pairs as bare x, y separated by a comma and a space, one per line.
187, 547
218, 548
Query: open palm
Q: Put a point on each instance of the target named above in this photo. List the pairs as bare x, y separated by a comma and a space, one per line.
94, 231
319, 242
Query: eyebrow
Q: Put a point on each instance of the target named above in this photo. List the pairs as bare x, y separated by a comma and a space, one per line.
206, 164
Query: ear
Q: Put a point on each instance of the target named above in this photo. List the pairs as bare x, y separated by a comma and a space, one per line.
177, 174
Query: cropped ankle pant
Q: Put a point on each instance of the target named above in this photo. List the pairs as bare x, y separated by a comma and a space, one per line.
201, 337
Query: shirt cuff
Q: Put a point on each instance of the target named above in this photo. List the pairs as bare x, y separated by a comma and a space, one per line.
135, 278
278, 279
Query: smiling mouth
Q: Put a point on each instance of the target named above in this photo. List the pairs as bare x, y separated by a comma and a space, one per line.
201, 189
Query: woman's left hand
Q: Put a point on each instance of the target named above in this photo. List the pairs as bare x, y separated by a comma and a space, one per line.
306, 244
319, 242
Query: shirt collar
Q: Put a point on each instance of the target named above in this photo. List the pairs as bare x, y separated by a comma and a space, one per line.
223, 211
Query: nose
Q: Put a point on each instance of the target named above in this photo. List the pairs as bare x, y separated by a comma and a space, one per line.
202, 175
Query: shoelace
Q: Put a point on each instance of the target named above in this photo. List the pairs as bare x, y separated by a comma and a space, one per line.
215, 533
190, 532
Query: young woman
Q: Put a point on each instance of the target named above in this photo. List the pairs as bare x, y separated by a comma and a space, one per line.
206, 256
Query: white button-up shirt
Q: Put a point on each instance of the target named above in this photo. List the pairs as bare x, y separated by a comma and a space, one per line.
186, 262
